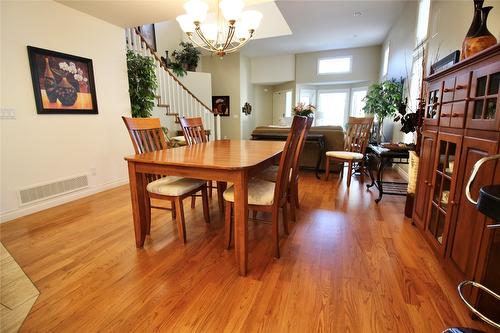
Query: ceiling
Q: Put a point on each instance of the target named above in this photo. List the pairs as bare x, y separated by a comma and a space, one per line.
288, 26
327, 25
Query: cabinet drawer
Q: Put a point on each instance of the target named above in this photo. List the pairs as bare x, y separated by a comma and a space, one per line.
462, 87
458, 114
445, 115
448, 89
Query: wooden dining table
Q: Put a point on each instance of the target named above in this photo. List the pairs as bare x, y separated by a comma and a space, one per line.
234, 161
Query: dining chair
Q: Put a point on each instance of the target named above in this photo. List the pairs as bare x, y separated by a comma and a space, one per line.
269, 196
271, 173
194, 133
147, 136
356, 140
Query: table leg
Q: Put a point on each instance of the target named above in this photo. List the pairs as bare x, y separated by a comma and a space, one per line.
321, 144
379, 181
138, 210
221, 187
241, 221
371, 163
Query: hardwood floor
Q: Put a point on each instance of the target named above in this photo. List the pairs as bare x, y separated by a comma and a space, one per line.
348, 265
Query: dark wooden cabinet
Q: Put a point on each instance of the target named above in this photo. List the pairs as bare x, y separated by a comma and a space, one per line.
461, 125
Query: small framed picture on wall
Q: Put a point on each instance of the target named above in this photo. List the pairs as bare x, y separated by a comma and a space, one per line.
220, 105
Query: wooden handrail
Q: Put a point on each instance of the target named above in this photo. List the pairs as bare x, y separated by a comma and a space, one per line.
162, 65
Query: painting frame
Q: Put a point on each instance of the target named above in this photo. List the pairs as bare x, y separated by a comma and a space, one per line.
148, 32
44, 104
221, 105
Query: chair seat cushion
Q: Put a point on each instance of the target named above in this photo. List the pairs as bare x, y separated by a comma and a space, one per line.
180, 138
174, 186
260, 192
270, 174
345, 155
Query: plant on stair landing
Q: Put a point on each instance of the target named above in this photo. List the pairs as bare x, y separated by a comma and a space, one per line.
185, 59
142, 84
383, 100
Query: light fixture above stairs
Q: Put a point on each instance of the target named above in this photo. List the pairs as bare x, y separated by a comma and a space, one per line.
228, 34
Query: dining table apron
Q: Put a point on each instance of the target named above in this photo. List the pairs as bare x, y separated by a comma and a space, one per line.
234, 161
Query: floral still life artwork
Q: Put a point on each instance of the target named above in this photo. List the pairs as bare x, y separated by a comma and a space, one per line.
62, 83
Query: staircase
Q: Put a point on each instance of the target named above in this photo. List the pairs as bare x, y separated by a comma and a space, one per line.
177, 100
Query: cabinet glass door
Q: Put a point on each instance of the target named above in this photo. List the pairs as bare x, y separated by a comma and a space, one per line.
483, 105
448, 148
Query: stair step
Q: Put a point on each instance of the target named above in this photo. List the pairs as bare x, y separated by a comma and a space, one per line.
163, 105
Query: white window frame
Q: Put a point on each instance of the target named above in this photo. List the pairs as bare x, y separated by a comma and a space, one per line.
337, 57
351, 102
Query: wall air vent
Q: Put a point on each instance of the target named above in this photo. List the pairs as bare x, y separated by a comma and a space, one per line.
49, 190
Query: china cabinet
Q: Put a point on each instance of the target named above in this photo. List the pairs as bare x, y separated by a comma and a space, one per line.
461, 125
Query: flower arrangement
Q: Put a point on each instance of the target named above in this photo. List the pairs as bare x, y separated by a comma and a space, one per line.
301, 109
72, 69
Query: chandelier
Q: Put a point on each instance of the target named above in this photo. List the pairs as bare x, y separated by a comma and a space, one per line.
225, 36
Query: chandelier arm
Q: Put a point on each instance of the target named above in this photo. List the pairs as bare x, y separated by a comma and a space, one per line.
199, 45
239, 46
205, 40
229, 38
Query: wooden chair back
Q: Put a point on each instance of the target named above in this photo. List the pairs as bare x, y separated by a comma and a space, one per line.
287, 158
358, 134
193, 130
146, 134
300, 148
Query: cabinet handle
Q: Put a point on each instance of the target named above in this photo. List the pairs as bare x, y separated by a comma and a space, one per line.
426, 182
444, 115
456, 115
429, 184
460, 87
448, 90
453, 203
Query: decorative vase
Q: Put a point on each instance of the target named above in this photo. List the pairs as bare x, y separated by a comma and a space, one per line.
66, 93
482, 39
50, 82
474, 27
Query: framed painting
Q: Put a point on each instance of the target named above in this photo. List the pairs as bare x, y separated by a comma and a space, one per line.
62, 83
220, 105
148, 32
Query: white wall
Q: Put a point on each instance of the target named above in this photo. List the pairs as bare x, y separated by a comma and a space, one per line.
263, 104
365, 66
246, 95
273, 69
41, 148
449, 22
226, 82
401, 42
168, 37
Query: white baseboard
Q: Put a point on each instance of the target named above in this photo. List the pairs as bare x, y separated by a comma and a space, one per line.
401, 172
49, 203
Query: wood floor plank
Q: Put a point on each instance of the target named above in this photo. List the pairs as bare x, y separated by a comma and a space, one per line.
348, 265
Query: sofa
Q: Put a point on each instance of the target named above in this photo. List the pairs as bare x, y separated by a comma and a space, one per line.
334, 137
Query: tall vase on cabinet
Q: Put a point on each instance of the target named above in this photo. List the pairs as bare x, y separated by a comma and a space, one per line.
474, 27
483, 38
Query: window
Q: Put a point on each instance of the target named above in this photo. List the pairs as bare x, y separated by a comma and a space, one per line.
385, 66
288, 104
332, 105
334, 65
357, 103
423, 20
308, 96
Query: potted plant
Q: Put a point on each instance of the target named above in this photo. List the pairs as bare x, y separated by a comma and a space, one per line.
384, 100
141, 84
187, 57
301, 109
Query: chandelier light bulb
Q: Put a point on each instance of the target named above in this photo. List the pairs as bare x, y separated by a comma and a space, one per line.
186, 23
231, 9
251, 19
197, 10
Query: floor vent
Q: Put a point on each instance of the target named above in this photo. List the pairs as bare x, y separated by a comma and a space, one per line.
49, 190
